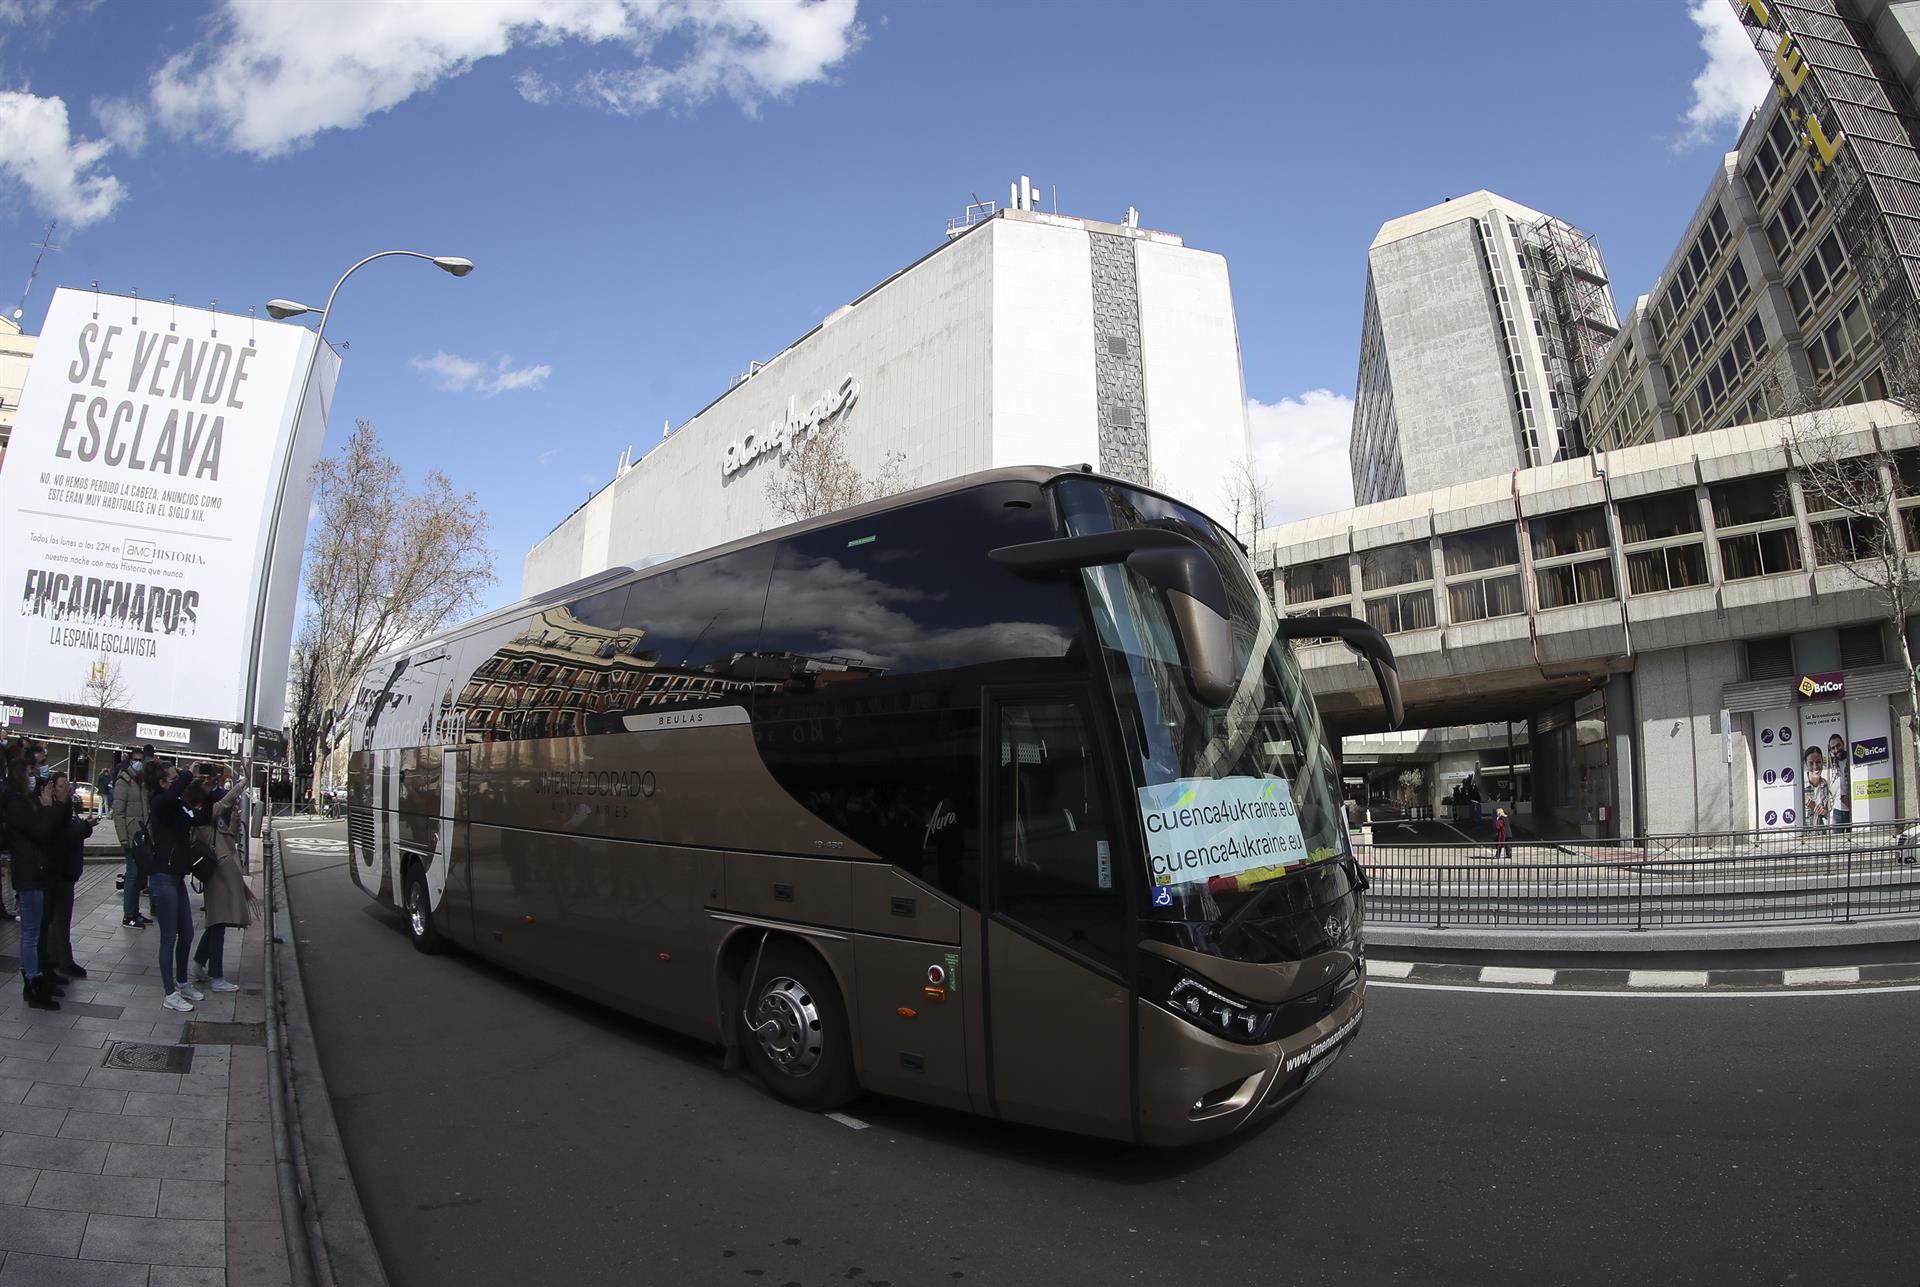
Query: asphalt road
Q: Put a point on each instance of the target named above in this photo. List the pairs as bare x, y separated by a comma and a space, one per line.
502, 1132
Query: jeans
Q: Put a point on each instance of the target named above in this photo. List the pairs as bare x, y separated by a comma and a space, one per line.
212, 949
175, 914
56, 924
130, 894
30, 901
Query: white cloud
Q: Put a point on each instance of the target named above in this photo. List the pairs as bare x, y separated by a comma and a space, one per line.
124, 121
1300, 453
451, 373
1734, 80
38, 152
275, 73
534, 87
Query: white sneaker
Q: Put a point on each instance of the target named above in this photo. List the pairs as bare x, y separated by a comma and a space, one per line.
175, 1001
199, 973
221, 985
191, 993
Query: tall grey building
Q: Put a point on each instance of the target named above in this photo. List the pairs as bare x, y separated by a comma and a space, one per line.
1484, 320
1801, 268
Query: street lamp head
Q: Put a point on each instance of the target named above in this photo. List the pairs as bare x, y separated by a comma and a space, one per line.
282, 309
454, 264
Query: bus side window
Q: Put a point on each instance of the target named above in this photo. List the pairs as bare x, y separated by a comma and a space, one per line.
1053, 855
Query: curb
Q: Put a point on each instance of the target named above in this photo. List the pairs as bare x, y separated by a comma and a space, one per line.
343, 1250
1819, 977
1487, 938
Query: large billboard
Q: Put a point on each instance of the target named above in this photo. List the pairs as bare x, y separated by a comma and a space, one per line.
138, 489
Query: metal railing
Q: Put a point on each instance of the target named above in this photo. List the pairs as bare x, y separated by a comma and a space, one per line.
1836, 875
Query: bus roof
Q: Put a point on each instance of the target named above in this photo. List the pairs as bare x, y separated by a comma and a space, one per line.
1040, 475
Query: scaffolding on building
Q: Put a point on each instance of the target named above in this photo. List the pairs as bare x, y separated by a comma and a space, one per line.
1567, 272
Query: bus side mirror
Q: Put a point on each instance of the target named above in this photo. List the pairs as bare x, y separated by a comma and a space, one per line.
1176, 565
1363, 639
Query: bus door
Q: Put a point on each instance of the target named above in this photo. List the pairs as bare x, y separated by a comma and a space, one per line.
1059, 1013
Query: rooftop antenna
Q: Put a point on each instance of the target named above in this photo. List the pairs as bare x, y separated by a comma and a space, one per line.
666, 428
45, 244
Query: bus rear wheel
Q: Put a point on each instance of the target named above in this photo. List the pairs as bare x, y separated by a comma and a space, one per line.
419, 910
793, 1029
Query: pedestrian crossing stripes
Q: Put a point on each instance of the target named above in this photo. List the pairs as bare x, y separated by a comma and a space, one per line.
1823, 976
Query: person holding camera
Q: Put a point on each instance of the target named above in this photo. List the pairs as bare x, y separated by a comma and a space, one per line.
176, 808
32, 825
66, 860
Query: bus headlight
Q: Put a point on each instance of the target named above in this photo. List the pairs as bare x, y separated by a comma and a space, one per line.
1205, 1005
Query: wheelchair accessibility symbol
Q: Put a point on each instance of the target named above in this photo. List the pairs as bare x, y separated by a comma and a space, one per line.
1163, 895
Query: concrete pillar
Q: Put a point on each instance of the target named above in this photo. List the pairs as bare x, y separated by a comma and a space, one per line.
1623, 737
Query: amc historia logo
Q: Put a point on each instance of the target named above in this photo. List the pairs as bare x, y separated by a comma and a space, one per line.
1827, 685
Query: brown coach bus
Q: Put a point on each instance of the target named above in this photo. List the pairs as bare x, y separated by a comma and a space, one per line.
1004, 794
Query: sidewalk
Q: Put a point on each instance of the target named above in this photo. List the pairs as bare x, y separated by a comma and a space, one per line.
113, 1174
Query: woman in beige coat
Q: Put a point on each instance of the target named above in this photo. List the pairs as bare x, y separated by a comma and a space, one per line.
227, 892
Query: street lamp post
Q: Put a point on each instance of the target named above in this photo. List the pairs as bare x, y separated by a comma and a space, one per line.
281, 309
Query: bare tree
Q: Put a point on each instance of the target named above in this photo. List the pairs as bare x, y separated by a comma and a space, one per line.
1850, 481
1246, 499
815, 476
104, 694
385, 564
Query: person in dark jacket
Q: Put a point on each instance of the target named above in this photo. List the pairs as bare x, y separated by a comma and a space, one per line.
178, 806
66, 863
30, 829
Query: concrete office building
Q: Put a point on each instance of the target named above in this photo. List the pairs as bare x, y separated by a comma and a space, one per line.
1027, 338
1797, 275
1483, 320
1652, 626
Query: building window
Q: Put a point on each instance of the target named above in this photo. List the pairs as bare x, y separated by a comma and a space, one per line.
1664, 548
1824, 268
1770, 658
1321, 579
1755, 521
1482, 573
1862, 646
1393, 566
1835, 348
1566, 569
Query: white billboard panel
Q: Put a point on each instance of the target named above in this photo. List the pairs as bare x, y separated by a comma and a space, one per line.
138, 488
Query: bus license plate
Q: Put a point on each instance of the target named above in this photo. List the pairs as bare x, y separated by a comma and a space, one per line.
1320, 1066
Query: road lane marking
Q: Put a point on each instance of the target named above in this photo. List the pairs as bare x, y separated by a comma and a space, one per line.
1666, 978
1822, 974
1649, 994
1389, 969
1516, 974
851, 1123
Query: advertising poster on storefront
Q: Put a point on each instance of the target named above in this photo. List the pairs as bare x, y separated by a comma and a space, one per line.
1776, 757
138, 488
1870, 759
1826, 796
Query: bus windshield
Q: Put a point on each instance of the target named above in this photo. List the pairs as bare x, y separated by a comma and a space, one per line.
1230, 799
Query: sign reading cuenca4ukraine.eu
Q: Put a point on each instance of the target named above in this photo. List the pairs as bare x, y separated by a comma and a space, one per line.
138, 488
1200, 828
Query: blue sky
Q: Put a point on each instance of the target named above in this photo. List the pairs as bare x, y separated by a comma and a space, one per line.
657, 191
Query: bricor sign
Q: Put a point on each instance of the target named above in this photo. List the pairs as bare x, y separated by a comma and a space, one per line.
1828, 686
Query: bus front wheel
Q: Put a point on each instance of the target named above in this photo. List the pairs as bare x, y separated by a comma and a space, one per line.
793, 1029
420, 927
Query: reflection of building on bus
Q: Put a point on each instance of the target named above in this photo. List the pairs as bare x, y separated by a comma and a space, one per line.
958, 796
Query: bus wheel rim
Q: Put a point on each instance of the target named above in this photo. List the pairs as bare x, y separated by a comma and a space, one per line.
788, 1025
416, 911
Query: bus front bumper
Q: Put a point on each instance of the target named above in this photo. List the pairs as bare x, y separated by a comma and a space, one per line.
1195, 1086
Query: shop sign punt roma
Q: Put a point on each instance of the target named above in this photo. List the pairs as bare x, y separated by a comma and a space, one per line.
138, 488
